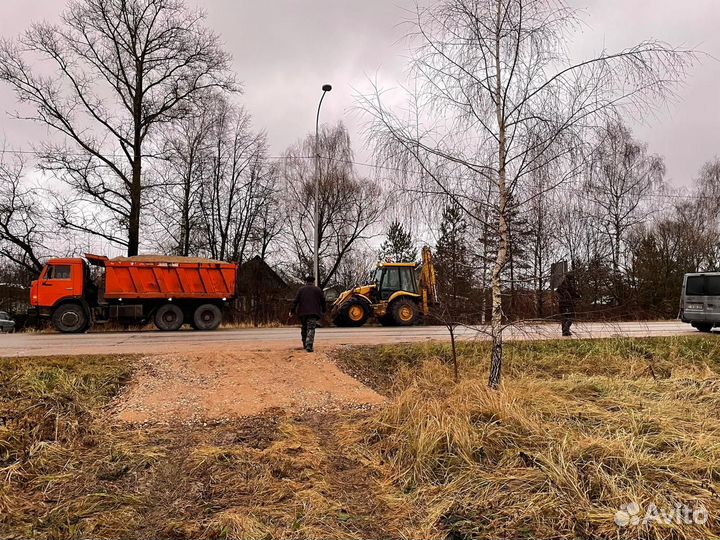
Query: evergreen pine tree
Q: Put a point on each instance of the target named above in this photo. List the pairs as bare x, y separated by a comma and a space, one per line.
399, 246
453, 260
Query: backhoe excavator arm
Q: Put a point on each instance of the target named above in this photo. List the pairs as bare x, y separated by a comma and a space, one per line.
428, 281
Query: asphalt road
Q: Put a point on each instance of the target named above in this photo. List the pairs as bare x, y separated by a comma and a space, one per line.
37, 344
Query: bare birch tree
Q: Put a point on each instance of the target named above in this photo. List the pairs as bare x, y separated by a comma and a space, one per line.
120, 69
497, 98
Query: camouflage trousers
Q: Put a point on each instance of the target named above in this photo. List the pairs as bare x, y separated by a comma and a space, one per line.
567, 317
308, 332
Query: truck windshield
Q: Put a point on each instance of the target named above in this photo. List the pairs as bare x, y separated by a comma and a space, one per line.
58, 271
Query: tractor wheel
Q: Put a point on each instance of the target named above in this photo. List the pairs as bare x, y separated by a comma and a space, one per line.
207, 317
404, 312
168, 318
339, 320
354, 313
70, 319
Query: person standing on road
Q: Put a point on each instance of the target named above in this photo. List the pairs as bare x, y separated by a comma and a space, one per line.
567, 295
309, 306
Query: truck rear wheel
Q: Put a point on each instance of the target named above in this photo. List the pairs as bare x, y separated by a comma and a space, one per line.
405, 312
207, 317
169, 317
70, 319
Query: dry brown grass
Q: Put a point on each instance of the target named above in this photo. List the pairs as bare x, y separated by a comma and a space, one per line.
68, 473
578, 429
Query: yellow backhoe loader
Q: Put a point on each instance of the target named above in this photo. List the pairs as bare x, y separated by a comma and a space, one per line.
399, 295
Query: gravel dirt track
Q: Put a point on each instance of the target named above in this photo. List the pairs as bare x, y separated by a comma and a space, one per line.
222, 385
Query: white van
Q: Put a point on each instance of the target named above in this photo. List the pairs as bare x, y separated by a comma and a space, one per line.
700, 300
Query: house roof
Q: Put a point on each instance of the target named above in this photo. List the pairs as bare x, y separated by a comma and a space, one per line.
255, 270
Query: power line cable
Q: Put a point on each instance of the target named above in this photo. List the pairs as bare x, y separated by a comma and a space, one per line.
352, 162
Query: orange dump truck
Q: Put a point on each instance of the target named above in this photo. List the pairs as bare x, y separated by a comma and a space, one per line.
170, 291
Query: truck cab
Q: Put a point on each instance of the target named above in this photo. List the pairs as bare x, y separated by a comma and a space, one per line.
61, 279
59, 293
700, 300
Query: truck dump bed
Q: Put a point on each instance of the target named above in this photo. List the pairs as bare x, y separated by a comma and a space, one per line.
148, 277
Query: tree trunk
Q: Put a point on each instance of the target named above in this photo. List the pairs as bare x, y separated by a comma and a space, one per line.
136, 181
617, 293
185, 219
511, 304
456, 371
135, 196
185, 242
540, 294
539, 255
496, 328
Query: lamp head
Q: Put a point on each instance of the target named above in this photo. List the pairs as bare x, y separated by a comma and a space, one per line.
326, 87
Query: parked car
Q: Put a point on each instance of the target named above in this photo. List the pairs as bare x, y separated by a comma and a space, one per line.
6, 323
700, 300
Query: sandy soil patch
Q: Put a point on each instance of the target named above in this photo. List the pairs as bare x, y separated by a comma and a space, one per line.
221, 385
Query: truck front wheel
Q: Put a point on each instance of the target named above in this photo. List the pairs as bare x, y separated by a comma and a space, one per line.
70, 319
207, 317
168, 318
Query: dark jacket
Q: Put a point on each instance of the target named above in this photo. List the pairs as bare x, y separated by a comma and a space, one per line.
309, 302
567, 294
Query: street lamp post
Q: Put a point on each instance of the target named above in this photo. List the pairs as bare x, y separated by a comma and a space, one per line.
326, 88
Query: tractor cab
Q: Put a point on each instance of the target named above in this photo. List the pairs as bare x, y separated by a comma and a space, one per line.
393, 277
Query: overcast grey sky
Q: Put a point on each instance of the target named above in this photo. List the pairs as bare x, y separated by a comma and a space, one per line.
284, 50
